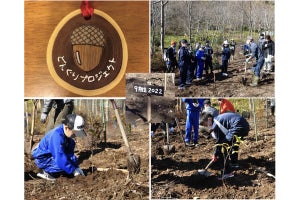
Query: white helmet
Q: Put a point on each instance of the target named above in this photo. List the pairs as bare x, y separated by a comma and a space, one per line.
225, 42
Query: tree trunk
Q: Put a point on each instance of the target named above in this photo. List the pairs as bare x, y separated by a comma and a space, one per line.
152, 30
190, 19
250, 19
103, 122
254, 118
162, 26
26, 117
267, 114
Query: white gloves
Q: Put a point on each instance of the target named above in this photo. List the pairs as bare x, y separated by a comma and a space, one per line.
43, 117
77, 172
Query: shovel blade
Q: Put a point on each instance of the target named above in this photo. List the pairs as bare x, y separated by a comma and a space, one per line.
168, 149
203, 172
134, 164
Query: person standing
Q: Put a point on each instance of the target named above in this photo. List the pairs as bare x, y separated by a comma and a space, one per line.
55, 110
54, 154
228, 130
225, 106
171, 57
192, 65
183, 63
261, 40
208, 52
200, 58
232, 45
256, 52
269, 52
193, 109
225, 58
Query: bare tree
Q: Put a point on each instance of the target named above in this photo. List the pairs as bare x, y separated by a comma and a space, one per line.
153, 22
162, 25
215, 20
189, 11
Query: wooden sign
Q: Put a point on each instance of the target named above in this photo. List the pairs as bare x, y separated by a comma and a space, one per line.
149, 89
87, 56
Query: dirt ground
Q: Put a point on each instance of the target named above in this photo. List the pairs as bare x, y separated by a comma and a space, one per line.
172, 175
230, 86
162, 106
111, 184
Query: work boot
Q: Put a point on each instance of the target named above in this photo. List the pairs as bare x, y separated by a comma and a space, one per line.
269, 67
254, 81
265, 67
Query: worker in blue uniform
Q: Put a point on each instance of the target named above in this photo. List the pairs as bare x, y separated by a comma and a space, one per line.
193, 109
54, 154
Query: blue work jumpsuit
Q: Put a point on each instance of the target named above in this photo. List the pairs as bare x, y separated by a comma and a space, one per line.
192, 118
235, 125
55, 152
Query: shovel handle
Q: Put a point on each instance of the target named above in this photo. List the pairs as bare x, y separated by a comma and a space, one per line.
120, 124
177, 123
167, 130
209, 164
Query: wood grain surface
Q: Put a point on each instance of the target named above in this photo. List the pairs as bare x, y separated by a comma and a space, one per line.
42, 17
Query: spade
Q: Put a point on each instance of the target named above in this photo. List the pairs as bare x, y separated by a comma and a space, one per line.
168, 148
204, 171
133, 161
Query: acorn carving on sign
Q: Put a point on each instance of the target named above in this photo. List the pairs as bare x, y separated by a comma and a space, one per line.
87, 57
88, 43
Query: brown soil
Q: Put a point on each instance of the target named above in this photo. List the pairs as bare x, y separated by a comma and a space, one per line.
172, 175
230, 86
111, 184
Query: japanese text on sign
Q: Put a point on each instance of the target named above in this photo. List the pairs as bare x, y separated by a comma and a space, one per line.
84, 77
149, 89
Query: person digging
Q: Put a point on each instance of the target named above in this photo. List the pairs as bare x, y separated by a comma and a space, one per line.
228, 130
257, 53
54, 154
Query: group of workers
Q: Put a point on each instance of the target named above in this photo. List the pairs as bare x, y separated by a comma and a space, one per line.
192, 64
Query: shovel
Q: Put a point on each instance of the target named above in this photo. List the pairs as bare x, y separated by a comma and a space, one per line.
204, 171
244, 79
181, 131
168, 148
134, 161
